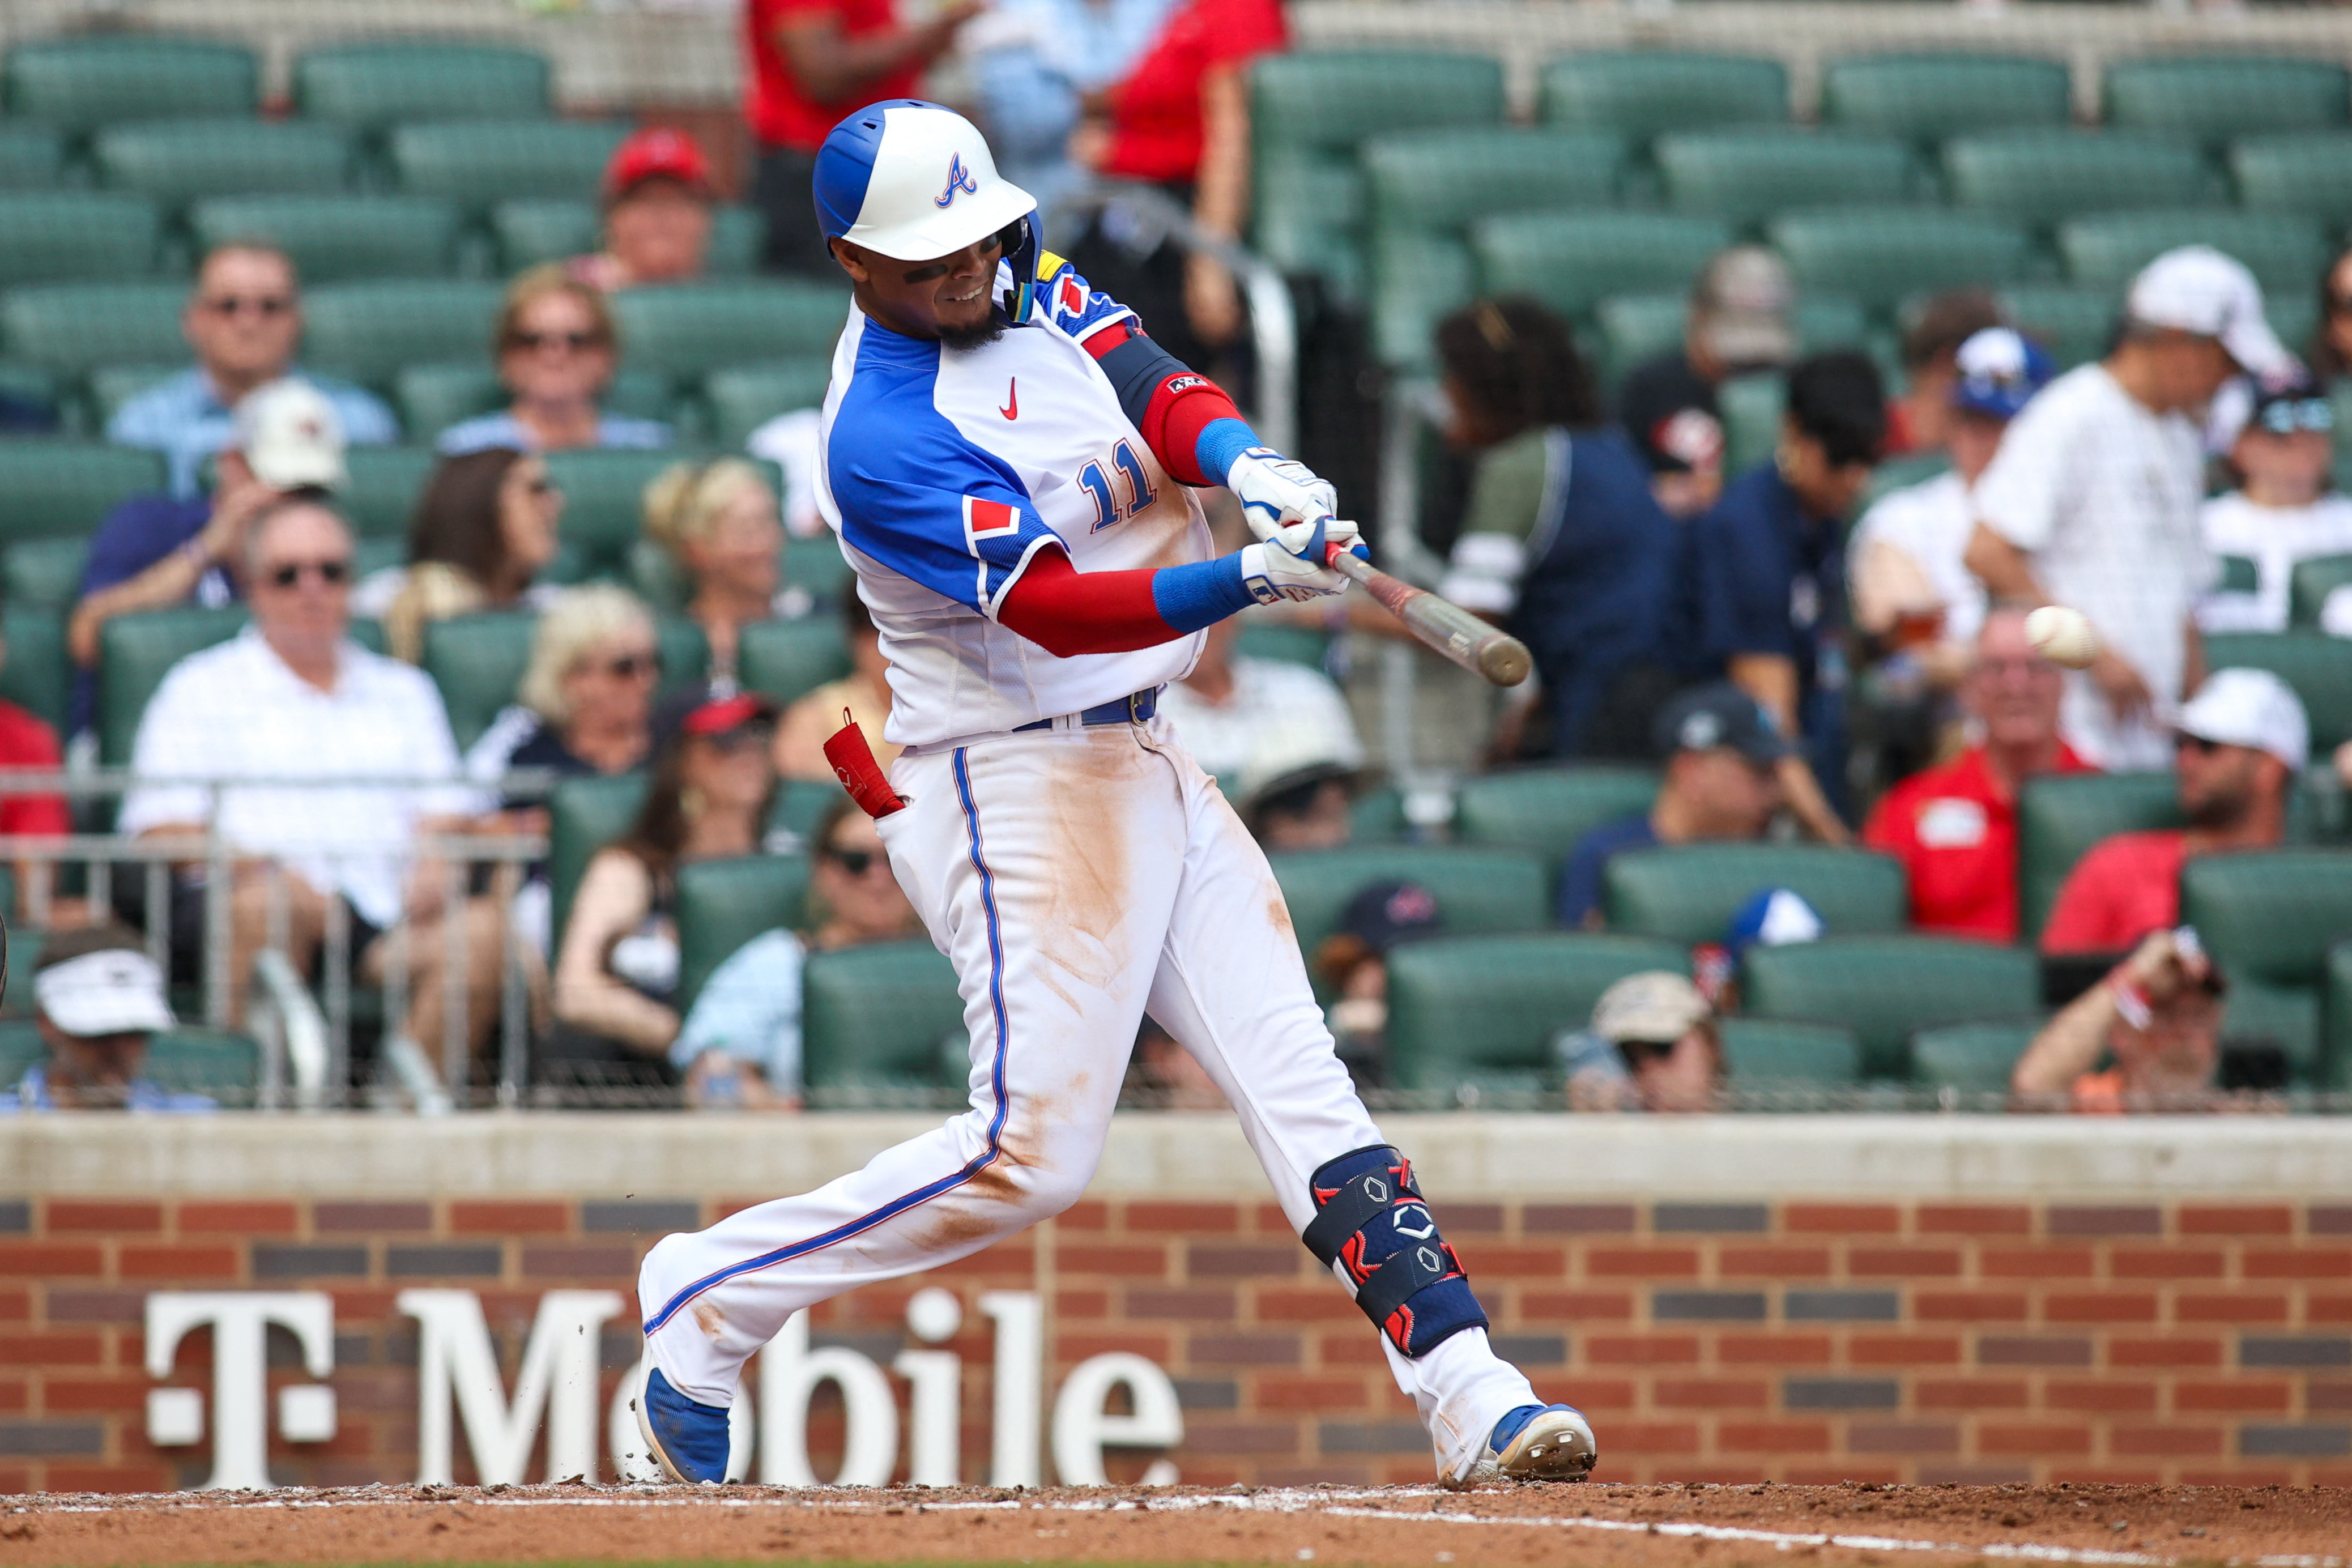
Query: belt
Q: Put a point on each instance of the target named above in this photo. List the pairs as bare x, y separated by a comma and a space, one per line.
1135, 708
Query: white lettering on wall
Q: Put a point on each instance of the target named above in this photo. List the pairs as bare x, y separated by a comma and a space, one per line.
789, 1374
1013, 1460
455, 1358
240, 1323
934, 1388
1082, 1429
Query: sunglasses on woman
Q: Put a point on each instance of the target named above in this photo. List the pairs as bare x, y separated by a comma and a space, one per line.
856, 862
576, 342
332, 573
2284, 419
629, 665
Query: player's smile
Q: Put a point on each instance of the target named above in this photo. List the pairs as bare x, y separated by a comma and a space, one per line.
947, 298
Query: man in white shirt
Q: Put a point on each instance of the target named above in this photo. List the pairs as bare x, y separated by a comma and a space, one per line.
2092, 500
2282, 510
293, 701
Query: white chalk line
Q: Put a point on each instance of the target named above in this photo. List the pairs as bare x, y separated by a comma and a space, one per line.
1273, 1499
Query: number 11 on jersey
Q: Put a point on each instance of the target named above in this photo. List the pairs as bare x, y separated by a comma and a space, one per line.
1098, 484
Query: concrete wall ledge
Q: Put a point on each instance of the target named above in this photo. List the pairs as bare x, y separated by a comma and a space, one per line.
1193, 1153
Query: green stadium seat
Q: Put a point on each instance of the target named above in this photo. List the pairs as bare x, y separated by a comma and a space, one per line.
738, 238
2059, 818
1572, 262
818, 566
1882, 255
1478, 890
1482, 1010
722, 904
685, 654
1744, 175
2313, 580
584, 815
881, 1021
1886, 988
478, 661
45, 574
76, 236
2319, 668
135, 652
532, 230
32, 156
1282, 643
109, 386
1969, 1058
2308, 174
2215, 98
2240, 574
2335, 1066
2269, 919
83, 82
1310, 110
2106, 249
1689, 892
1546, 810
479, 162
374, 85
385, 483
1426, 187
2040, 178
1644, 93
71, 328
1900, 473
368, 331
177, 160
215, 1062
800, 804
378, 553
1751, 407
1771, 1055
330, 238
604, 489
687, 329
21, 1047
743, 397
37, 675
1926, 97
51, 487
1377, 816
785, 660
2074, 323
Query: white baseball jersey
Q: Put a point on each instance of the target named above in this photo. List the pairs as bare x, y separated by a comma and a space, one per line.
945, 470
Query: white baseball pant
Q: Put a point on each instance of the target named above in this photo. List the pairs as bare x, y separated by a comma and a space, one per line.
1078, 878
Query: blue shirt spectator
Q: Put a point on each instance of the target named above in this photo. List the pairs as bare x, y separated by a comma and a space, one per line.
503, 429
98, 1002
1579, 885
184, 418
557, 348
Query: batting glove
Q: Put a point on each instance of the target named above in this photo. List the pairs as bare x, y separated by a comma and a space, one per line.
1271, 573
1286, 504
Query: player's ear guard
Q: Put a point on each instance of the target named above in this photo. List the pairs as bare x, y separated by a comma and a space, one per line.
853, 764
1371, 1219
1022, 247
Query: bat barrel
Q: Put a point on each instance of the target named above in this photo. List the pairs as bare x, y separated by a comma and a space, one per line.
1445, 626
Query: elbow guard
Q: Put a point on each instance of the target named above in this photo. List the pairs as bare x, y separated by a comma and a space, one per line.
1370, 1220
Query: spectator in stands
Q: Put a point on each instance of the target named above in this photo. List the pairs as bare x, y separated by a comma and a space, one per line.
717, 521
865, 691
657, 205
2092, 500
157, 552
244, 318
1562, 541
586, 703
1655, 1045
98, 1002
1954, 827
616, 972
807, 63
1296, 788
2157, 1015
2283, 510
278, 710
1738, 323
2238, 745
1723, 755
557, 349
2331, 341
1354, 963
1179, 120
1767, 574
1918, 421
740, 1043
1236, 713
485, 528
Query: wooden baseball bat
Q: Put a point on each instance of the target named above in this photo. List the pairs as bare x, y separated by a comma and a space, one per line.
1441, 624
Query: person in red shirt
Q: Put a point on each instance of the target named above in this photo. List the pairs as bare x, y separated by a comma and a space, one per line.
806, 64
1954, 827
28, 744
2238, 746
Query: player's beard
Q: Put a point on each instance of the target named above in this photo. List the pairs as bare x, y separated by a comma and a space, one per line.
977, 336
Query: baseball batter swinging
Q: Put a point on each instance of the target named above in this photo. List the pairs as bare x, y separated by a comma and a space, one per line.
1006, 457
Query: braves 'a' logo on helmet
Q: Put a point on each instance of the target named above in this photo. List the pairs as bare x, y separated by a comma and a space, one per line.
958, 179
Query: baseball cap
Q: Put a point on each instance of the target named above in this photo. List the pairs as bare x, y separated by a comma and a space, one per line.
114, 990
2000, 369
912, 180
2250, 708
1721, 714
657, 153
1388, 914
1656, 1006
1772, 917
291, 436
1743, 298
2197, 288
716, 708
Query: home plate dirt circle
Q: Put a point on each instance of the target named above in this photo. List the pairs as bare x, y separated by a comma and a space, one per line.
1648, 1526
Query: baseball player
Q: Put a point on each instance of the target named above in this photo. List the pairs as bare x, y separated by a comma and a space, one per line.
1009, 461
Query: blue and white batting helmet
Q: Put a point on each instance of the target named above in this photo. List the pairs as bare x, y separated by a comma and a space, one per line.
912, 181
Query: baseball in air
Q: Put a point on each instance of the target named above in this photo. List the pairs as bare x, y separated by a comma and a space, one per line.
2063, 635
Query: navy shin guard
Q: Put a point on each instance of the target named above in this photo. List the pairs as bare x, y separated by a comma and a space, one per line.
1371, 1219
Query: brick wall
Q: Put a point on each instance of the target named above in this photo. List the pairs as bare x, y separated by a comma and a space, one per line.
1789, 1340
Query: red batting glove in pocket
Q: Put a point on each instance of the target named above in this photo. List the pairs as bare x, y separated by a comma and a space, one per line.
853, 764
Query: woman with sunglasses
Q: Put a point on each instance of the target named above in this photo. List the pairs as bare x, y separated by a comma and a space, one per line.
557, 349
616, 972
718, 523
485, 528
2283, 510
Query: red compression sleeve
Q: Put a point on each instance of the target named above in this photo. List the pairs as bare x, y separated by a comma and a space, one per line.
1066, 612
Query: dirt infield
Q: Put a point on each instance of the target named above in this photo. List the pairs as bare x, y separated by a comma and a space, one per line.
1597, 1525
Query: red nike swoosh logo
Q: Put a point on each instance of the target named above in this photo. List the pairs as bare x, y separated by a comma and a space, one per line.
1012, 409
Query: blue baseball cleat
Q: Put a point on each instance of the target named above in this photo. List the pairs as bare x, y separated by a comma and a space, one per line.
1536, 1443
688, 1440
